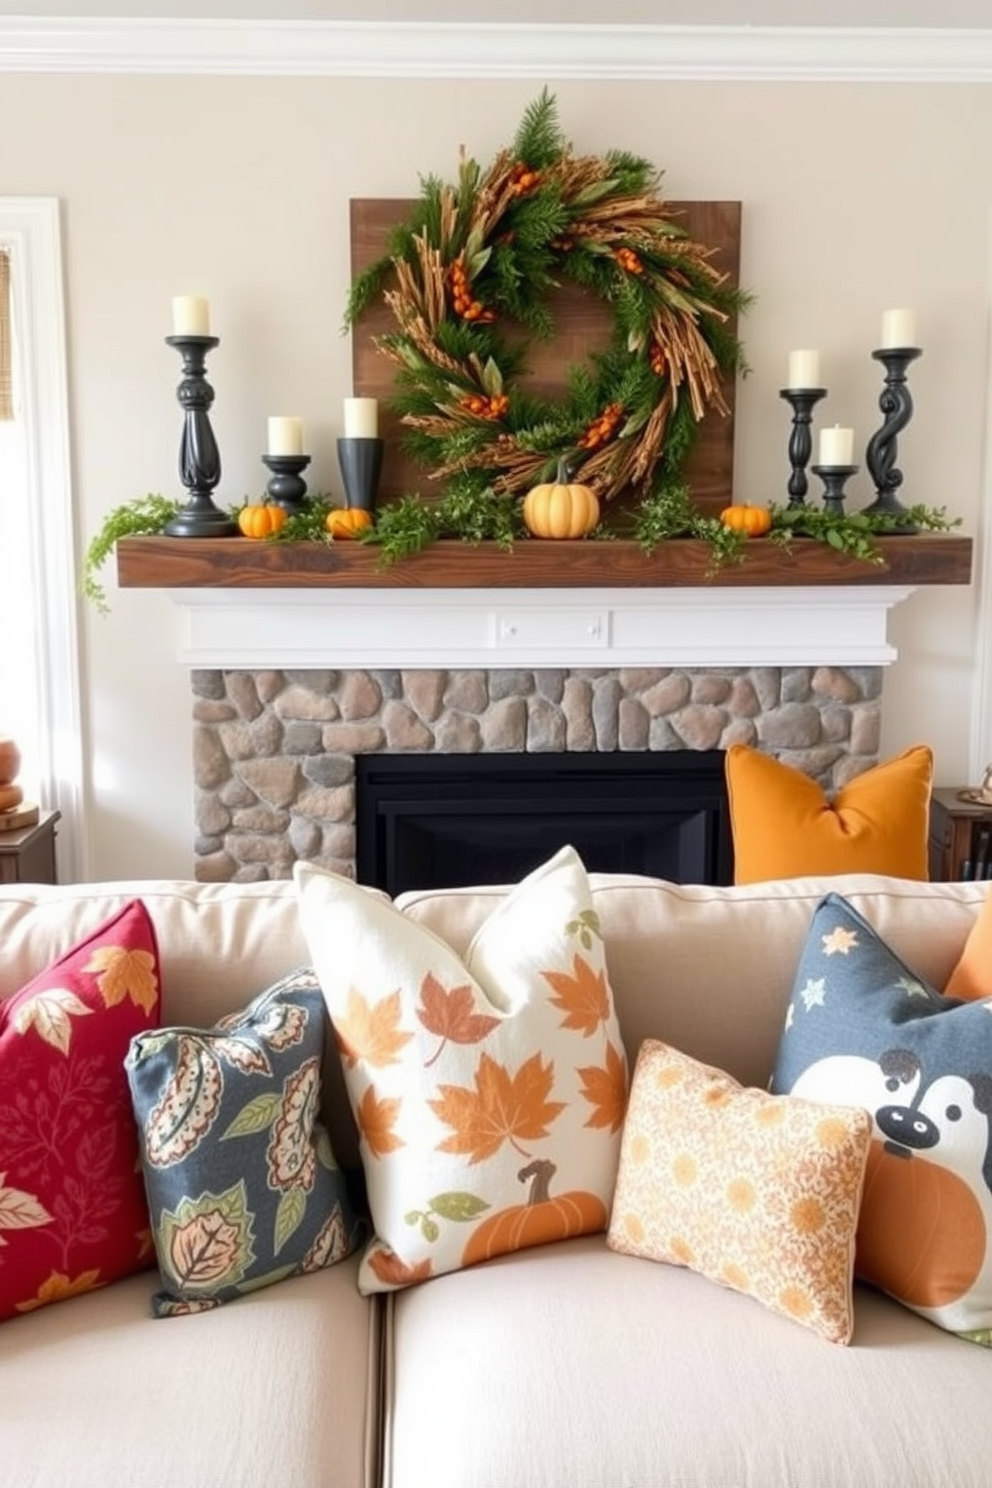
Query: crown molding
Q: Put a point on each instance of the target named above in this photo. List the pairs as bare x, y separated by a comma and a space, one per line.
490, 50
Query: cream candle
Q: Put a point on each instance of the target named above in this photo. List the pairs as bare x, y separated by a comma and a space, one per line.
836, 446
190, 315
898, 330
361, 418
285, 436
804, 369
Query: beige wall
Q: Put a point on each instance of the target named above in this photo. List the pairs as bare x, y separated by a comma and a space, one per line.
856, 198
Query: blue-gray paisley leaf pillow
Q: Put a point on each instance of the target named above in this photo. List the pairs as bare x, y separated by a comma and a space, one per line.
243, 1187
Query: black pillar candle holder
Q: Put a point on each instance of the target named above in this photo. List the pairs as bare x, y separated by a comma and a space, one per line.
361, 468
834, 478
896, 404
286, 487
802, 401
199, 458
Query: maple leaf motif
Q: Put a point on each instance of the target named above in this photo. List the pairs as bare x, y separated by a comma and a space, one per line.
839, 941
500, 1108
59, 1287
49, 1014
376, 1119
370, 1033
451, 1015
582, 996
605, 1088
121, 973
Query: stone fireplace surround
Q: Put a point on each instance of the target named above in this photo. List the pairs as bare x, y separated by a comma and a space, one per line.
334, 675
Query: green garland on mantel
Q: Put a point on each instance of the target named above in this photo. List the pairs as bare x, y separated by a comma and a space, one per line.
408, 526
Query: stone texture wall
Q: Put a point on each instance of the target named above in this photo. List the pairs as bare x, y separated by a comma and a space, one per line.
274, 751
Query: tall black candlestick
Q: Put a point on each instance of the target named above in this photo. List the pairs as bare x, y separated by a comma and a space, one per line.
896, 404
802, 401
199, 458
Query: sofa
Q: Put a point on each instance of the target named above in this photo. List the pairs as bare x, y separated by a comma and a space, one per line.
566, 1365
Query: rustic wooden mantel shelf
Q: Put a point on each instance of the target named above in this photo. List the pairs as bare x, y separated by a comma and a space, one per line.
240, 563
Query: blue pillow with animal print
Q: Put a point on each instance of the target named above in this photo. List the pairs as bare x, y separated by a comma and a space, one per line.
242, 1185
862, 1029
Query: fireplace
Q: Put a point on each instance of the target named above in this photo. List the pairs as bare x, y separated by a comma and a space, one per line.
281, 758
430, 821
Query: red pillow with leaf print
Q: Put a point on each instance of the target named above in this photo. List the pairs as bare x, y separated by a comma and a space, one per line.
72, 1201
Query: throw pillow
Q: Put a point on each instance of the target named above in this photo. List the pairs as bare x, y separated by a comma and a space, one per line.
489, 1092
783, 825
72, 1206
972, 975
242, 1183
863, 1029
755, 1191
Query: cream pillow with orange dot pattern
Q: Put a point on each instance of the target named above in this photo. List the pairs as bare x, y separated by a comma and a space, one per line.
758, 1192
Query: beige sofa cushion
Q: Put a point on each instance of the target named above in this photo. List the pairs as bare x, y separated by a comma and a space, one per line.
580, 1368
277, 1389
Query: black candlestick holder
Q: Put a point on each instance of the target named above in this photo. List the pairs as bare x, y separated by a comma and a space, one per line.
361, 467
834, 478
199, 458
802, 401
896, 404
286, 487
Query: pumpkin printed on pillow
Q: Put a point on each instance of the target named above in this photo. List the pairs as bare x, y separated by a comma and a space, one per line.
489, 1091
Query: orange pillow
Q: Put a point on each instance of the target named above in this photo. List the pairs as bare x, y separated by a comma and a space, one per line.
971, 979
784, 826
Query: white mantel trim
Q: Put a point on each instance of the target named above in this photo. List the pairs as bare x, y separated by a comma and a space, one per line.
459, 628
494, 50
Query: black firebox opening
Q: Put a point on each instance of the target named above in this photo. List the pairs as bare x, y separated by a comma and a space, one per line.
443, 820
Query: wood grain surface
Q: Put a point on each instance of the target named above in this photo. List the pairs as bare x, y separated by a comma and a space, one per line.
236, 562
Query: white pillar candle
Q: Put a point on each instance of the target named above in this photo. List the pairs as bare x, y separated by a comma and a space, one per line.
361, 418
898, 330
190, 315
285, 436
836, 446
804, 369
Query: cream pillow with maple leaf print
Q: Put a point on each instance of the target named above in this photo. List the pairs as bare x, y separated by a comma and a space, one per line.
489, 1090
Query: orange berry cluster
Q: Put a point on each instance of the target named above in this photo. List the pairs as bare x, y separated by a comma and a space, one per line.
563, 245
602, 430
628, 259
523, 179
659, 361
486, 408
461, 296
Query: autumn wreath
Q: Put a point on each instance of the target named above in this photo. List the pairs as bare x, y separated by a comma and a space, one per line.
478, 259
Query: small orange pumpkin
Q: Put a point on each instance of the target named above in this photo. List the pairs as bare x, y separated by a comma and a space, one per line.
560, 508
538, 1221
752, 521
261, 520
348, 521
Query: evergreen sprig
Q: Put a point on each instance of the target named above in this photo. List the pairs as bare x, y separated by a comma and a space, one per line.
145, 516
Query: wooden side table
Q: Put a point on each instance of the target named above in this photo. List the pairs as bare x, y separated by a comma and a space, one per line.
27, 855
960, 836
